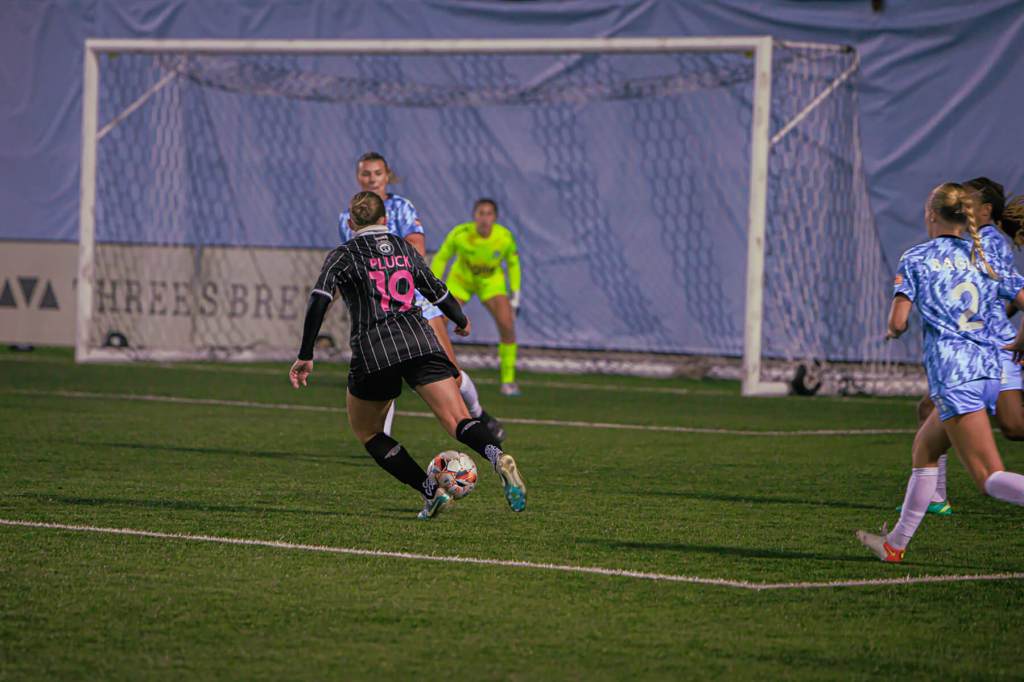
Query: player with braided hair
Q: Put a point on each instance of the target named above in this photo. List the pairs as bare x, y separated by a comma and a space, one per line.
995, 216
994, 208
959, 291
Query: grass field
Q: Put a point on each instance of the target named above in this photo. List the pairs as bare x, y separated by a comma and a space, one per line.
238, 454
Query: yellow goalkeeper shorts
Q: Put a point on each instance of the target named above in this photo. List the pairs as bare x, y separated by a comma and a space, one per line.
464, 288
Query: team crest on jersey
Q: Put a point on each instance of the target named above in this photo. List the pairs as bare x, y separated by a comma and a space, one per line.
385, 247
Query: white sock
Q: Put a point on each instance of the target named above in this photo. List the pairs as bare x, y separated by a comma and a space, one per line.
920, 489
940, 484
390, 419
1006, 486
470, 396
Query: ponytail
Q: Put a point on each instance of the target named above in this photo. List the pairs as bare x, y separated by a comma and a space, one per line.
977, 249
365, 209
953, 203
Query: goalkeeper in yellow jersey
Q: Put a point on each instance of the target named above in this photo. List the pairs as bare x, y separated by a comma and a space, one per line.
479, 247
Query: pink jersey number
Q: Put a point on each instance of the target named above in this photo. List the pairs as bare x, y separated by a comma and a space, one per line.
405, 298
389, 289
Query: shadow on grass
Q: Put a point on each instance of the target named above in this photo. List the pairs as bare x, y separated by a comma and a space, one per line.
809, 502
178, 505
396, 513
754, 499
720, 550
784, 554
353, 460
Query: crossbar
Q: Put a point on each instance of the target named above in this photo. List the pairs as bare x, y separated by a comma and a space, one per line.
411, 47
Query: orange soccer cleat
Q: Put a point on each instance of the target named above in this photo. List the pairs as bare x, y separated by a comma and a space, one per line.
881, 548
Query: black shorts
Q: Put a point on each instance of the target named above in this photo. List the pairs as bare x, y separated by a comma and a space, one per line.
387, 383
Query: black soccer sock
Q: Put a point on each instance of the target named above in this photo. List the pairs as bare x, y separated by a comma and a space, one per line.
394, 459
474, 433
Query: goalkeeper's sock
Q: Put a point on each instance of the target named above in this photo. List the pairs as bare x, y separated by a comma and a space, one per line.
507, 362
394, 459
476, 434
470, 396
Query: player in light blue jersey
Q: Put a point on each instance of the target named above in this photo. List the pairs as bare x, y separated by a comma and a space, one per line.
996, 217
960, 294
374, 175
403, 221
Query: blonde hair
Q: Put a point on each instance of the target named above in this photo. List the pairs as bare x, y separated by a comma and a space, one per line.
952, 202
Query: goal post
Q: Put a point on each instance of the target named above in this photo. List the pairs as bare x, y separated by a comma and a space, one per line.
111, 319
753, 385
87, 203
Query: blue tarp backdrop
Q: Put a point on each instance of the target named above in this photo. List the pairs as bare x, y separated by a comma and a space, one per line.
939, 88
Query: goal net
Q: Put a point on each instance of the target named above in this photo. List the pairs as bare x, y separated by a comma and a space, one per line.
671, 196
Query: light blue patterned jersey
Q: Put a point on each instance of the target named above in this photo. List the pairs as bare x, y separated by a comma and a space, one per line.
999, 254
959, 303
402, 219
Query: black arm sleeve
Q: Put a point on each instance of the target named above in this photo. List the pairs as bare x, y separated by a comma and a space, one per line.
452, 310
433, 289
315, 312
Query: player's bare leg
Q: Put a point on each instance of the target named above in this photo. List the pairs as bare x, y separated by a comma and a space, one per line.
501, 310
939, 503
366, 418
1010, 414
444, 400
440, 327
971, 435
925, 407
467, 388
930, 443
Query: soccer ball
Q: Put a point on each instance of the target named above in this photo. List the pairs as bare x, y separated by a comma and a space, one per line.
456, 471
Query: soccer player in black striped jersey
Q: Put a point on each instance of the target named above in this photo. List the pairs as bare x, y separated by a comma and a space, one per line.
378, 275
373, 175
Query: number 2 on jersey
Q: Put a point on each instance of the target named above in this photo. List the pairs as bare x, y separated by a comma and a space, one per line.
964, 323
388, 288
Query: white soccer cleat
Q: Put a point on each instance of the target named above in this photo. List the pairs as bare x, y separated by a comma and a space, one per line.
441, 501
515, 489
881, 548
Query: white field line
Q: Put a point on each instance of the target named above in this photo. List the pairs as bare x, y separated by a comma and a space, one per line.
615, 426
266, 371
538, 383
534, 383
505, 563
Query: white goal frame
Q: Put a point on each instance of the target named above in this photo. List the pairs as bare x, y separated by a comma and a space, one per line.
759, 46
